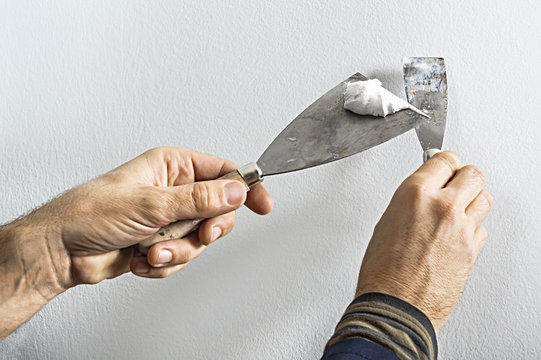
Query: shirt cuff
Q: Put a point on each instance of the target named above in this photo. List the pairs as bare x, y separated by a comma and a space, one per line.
387, 322
357, 349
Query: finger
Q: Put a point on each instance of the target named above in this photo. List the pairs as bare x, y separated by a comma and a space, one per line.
479, 208
466, 185
216, 227
259, 200
436, 172
203, 199
174, 166
186, 166
111, 265
479, 239
140, 267
175, 252
208, 167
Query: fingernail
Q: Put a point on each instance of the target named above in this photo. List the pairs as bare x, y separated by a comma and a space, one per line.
141, 268
216, 232
165, 257
234, 192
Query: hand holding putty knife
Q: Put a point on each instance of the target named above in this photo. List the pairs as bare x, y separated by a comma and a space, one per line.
326, 131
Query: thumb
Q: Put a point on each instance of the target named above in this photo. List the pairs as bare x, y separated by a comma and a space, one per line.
206, 199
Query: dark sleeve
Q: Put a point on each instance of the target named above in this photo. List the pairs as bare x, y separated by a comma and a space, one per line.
380, 326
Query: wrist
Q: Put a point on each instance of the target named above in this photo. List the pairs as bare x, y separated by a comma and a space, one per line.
33, 270
392, 288
38, 258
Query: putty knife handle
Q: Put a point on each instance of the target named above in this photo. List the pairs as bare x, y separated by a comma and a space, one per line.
250, 175
429, 153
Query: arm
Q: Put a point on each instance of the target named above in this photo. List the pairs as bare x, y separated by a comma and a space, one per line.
30, 276
88, 234
417, 262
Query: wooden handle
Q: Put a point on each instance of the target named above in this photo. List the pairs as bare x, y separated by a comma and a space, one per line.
182, 228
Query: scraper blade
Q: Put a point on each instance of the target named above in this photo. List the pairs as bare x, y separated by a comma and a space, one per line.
425, 80
326, 132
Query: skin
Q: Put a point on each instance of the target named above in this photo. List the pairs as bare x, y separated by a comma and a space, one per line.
428, 239
91, 232
88, 234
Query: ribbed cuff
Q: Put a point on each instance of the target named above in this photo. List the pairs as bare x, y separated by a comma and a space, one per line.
357, 349
390, 323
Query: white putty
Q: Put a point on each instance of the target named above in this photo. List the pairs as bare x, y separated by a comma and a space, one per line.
79, 89
369, 97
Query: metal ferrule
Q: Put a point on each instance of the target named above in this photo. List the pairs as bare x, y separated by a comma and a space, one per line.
251, 173
429, 153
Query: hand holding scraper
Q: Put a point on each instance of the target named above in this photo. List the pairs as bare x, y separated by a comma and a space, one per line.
322, 133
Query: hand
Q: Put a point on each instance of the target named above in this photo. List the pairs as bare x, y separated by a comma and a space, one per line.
98, 222
428, 239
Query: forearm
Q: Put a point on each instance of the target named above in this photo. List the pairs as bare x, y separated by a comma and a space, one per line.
396, 327
33, 270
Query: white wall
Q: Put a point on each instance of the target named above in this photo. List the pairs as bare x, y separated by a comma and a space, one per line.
87, 85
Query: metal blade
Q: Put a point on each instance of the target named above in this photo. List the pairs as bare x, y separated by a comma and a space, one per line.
326, 132
425, 79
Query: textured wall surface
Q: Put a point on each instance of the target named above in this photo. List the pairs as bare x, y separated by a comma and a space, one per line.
87, 85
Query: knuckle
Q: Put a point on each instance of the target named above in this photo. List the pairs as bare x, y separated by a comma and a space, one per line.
201, 196
482, 233
183, 170
488, 198
182, 256
447, 210
483, 203
179, 163
415, 191
157, 205
155, 151
475, 172
206, 241
228, 166
448, 158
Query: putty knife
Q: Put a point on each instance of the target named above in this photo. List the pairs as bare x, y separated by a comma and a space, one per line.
425, 80
322, 133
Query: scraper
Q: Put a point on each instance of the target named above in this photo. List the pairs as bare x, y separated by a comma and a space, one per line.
425, 80
321, 134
